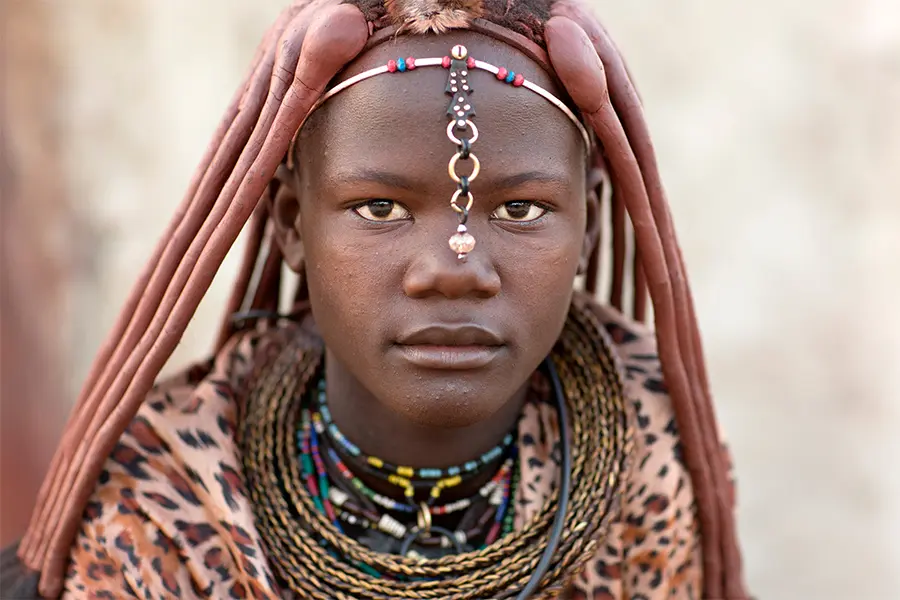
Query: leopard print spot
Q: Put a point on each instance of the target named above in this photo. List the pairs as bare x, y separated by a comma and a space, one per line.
132, 461
656, 504
146, 437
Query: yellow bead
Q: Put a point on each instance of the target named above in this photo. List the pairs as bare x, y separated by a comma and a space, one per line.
405, 471
398, 481
376, 462
449, 482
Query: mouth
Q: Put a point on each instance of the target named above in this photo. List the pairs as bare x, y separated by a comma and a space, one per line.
457, 347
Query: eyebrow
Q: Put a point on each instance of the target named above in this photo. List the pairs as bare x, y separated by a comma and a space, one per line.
386, 178
518, 179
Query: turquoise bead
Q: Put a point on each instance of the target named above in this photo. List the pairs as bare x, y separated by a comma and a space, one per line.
401, 64
509, 77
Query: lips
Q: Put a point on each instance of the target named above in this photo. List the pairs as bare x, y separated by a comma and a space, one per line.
451, 335
450, 347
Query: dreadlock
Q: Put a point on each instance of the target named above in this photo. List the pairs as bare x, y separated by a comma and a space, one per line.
305, 49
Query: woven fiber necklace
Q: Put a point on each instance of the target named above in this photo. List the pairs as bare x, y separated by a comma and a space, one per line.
314, 559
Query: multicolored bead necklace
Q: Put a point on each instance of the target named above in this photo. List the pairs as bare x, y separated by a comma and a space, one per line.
446, 478
339, 507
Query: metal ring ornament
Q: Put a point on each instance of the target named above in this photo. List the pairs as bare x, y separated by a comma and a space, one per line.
476, 168
458, 141
414, 535
457, 207
423, 518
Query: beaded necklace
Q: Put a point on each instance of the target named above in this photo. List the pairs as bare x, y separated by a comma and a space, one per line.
339, 507
448, 477
313, 559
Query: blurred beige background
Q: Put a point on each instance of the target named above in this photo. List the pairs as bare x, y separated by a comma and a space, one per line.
778, 131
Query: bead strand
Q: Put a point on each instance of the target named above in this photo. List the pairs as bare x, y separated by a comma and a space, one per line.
335, 434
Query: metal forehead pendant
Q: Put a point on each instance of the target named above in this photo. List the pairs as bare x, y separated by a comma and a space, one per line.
462, 132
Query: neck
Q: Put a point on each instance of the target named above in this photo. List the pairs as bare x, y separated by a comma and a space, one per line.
381, 432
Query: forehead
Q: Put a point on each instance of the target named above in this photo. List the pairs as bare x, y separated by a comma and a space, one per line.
402, 117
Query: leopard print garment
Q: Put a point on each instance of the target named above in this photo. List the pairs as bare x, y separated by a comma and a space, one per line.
169, 517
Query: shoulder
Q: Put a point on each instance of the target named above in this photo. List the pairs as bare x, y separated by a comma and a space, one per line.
168, 510
658, 541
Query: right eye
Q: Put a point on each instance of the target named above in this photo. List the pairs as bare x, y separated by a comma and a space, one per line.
381, 211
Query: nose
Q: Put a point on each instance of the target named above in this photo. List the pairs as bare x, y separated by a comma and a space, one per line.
436, 271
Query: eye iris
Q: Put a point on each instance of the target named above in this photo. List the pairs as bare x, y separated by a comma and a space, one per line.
518, 210
381, 209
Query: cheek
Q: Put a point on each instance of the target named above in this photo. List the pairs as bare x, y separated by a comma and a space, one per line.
538, 276
349, 277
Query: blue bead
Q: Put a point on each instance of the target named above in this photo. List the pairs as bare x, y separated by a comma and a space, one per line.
453, 471
510, 77
401, 64
491, 455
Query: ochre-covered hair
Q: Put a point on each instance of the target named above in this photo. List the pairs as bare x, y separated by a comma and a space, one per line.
305, 49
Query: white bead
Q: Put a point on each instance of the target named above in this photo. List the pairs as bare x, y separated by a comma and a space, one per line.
392, 526
338, 497
462, 243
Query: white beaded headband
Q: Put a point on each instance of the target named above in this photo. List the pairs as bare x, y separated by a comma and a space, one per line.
461, 111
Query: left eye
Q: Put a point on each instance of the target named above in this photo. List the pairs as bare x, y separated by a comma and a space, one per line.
381, 211
519, 212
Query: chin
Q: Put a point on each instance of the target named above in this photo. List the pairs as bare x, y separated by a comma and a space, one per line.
446, 409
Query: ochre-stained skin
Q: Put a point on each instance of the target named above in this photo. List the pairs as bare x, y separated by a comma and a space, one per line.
309, 44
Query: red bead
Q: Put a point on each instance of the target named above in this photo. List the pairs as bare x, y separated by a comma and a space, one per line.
518, 80
502, 73
470, 62
329, 510
445, 62
493, 534
392, 66
410, 63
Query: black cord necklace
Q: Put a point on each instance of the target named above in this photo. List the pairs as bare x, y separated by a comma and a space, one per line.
565, 484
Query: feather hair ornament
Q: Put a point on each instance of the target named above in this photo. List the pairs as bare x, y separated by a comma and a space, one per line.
433, 16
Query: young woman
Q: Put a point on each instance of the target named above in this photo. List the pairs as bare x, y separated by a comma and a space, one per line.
437, 413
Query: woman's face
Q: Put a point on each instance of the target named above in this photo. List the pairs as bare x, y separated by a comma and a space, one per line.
439, 341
